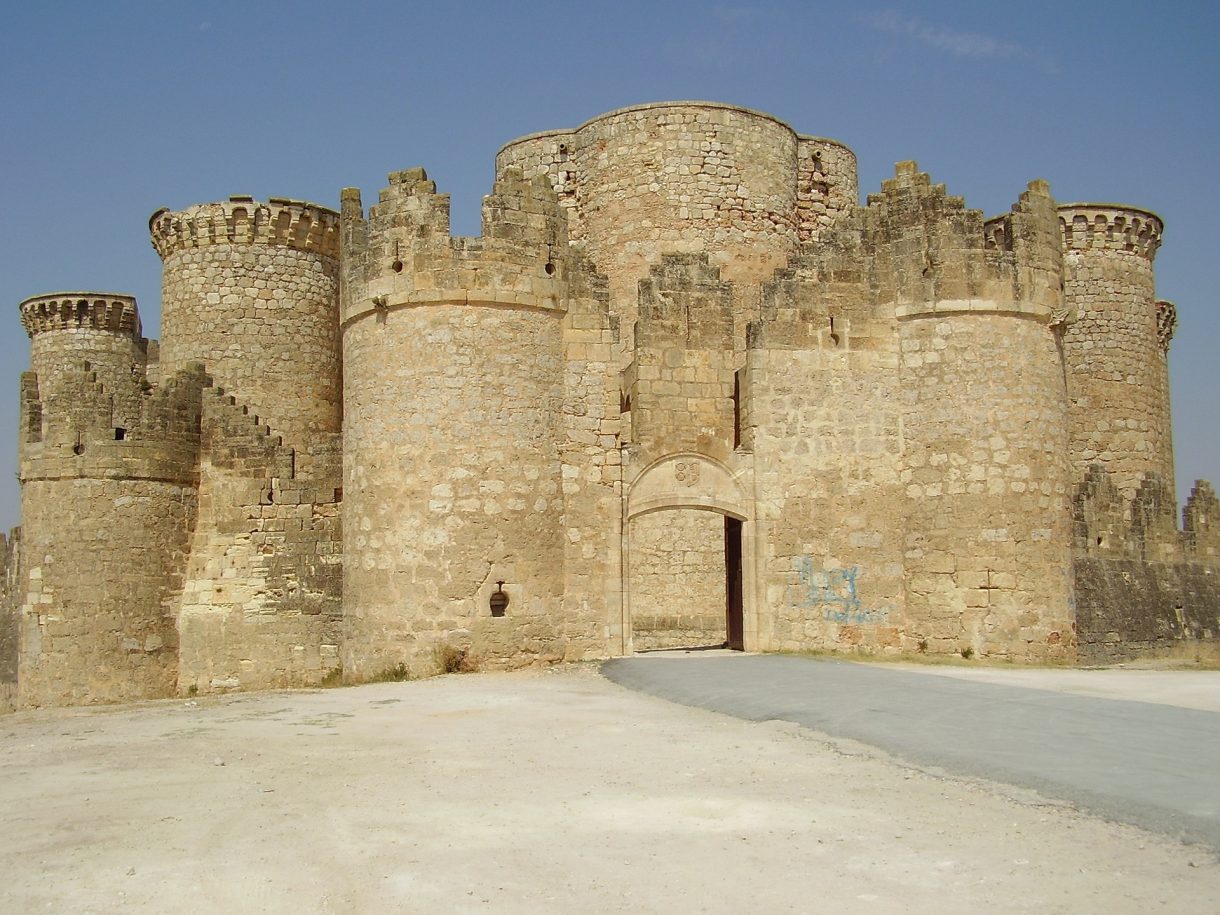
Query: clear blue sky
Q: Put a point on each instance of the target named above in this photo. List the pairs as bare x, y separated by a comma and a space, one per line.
113, 109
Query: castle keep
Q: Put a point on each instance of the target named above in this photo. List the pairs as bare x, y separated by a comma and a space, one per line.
683, 390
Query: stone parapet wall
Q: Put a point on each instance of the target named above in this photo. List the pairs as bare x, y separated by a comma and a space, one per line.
106, 311
1144, 588
82, 430
280, 223
1110, 227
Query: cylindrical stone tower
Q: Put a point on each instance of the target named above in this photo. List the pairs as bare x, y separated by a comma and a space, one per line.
452, 424
689, 178
68, 330
251, 290
108, 476
1115, 360
988, 561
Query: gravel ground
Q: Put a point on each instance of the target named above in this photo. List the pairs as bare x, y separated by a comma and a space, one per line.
551, 791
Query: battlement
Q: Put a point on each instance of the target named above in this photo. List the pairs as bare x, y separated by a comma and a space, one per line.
84, 431
934, 254
105, 311
403, 255
1110, 227
1166, 323
245, 221
1201, 521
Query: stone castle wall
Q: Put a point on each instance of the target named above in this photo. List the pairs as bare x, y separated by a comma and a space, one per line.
1144, 587
683, 390
821, 417
260, 603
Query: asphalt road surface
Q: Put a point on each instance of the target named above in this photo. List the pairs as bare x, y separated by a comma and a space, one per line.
1150, 765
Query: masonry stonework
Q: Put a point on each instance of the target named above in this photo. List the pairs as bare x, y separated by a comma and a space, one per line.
684, 390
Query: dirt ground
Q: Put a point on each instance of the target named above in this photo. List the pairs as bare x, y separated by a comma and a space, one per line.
531, 792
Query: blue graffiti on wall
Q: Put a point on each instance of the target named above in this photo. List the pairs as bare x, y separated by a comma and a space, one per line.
834, 590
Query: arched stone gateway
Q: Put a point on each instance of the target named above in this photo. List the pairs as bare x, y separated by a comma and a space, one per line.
688, 557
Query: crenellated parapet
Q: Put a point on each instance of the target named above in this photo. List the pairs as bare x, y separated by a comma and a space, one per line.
1110, 227
1166, 323
1108, 524
245, 221
85, 429
403, 256
1201, 522
1142, 585
104, 311
932, 254
822, 300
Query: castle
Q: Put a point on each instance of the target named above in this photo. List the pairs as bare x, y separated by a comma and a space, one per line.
684, 390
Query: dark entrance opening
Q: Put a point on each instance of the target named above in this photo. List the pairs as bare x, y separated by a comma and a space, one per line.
734, 624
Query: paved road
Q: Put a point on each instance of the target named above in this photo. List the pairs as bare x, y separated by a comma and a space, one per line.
1154, 766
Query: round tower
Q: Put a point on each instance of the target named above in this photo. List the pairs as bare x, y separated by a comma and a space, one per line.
69, 329
1114, 350
988, 561
108, 475
250, 290
689, 178
453, 375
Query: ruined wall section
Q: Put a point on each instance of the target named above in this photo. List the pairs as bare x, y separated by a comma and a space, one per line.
250, 290
823, 419
1143, 588
106, 524
261, 603
984, 417
454, 422
1115, 349
685, 178
10, 617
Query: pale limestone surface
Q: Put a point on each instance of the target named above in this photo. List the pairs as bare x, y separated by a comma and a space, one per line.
555, 792
928, 431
